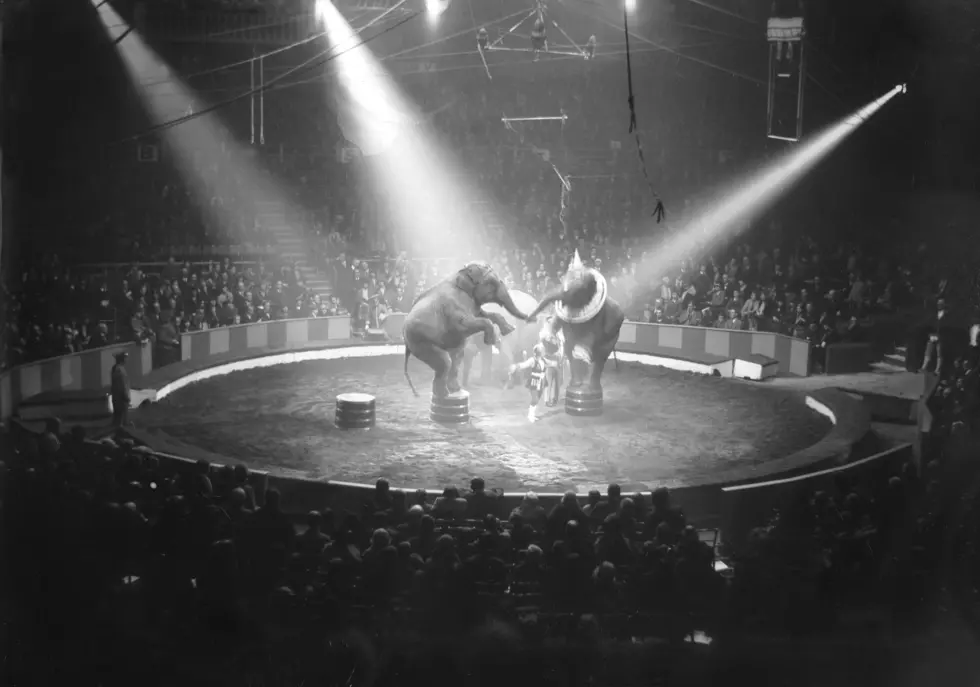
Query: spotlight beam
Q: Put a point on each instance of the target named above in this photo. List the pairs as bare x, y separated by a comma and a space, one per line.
122, 36
760, 191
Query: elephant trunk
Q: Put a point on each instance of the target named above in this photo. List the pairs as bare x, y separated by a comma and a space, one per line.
504, 300
556, 294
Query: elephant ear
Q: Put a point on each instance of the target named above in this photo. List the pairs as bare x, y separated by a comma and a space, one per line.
467, 278
472, 275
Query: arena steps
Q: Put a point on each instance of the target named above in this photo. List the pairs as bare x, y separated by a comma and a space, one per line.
292, 245
897, 357
488, 211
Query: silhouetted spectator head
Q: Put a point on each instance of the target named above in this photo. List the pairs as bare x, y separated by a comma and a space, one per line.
445, 546
313, 519
380, 538
237, 497
241, 475
612, 525
477, 485
595, 496
604, 573
491, 523
660, 498
78, 434
49, 445
382, 487
273, 500
613, 492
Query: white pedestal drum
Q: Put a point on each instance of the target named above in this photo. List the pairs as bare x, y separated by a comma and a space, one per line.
355, 411
453, 409
583, 402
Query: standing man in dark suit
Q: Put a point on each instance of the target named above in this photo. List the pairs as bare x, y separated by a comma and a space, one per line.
119, 391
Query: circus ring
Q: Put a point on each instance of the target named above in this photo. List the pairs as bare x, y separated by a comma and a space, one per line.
218, 372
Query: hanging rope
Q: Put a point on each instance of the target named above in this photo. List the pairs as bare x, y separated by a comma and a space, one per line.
566, 196
658, 211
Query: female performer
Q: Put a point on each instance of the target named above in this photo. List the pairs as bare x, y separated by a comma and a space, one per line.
554, 351
537, 380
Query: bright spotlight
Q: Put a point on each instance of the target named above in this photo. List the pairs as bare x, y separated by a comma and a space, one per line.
434, 8
904, 89
630, 5
320, 9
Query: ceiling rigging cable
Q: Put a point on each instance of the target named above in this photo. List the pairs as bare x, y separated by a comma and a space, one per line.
658, 210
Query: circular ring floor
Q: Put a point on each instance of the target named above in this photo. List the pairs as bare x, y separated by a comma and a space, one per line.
659, 427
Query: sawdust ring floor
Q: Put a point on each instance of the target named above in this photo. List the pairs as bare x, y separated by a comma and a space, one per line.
660, 426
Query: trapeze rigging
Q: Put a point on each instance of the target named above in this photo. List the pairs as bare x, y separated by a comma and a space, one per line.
537, 43
538, 40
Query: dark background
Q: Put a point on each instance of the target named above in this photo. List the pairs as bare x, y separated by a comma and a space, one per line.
66, 98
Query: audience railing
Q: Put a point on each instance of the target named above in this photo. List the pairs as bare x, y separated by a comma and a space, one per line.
89, 370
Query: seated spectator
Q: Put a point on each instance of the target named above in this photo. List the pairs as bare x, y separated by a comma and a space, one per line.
611, 544
663, 512
313, 541
531, 511
449, 506
424, 542
531, 570
479, 503
609, 506
565, 510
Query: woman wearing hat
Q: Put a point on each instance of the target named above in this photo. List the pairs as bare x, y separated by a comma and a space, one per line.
119, 391
537, 381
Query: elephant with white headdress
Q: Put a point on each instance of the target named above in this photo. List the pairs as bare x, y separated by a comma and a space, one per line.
588, 320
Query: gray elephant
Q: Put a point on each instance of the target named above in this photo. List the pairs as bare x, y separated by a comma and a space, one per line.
511, 350
589, 320
445, 316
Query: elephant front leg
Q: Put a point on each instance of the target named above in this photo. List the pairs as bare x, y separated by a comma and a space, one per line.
500, 321
475, 325
598, 364
578, 368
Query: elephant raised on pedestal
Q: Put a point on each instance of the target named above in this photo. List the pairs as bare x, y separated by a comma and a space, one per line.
511, 349
589, 320
445, 316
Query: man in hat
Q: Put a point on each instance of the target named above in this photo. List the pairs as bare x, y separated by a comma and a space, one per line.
119, 391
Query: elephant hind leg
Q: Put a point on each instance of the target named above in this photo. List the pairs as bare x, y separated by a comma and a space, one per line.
456, 358
440, 362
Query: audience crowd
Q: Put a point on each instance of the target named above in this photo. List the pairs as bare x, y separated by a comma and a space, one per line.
56, 311
137, 557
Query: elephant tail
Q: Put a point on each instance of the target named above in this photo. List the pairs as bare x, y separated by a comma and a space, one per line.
408, 354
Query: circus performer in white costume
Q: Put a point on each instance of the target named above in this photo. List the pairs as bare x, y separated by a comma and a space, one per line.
537, 367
